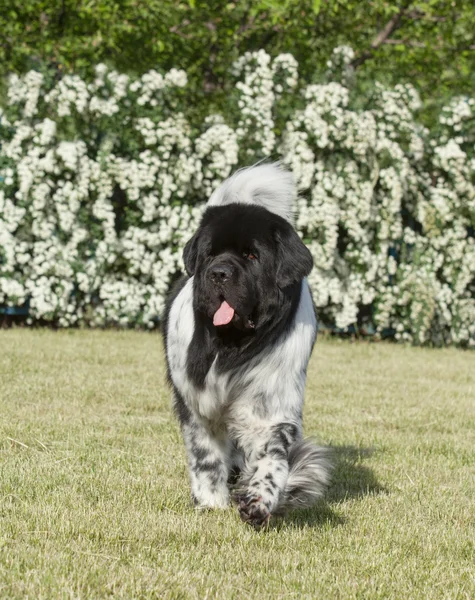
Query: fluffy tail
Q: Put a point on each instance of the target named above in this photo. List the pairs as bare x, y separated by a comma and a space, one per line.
268, 185
309, 475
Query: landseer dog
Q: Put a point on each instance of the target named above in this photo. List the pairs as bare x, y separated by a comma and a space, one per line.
239, 331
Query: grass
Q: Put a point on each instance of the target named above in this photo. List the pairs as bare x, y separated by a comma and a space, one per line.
94, 498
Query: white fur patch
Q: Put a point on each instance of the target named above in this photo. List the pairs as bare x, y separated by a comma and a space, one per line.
269, 185
279, 373
207, 402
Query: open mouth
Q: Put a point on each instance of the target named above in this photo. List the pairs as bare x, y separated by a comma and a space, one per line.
226, 314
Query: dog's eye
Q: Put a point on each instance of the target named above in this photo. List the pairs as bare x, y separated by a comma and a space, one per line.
250, 255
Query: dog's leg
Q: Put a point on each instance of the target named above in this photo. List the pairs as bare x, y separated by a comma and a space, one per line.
208, 461
267, 470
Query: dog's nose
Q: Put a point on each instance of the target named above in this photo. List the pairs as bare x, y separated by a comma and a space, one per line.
221, 273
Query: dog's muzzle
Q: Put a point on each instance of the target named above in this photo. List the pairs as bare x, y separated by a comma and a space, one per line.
221, 273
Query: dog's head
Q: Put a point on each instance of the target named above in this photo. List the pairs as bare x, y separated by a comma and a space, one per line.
243, 258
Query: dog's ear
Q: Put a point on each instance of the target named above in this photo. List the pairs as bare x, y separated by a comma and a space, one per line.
294, 261
190, 254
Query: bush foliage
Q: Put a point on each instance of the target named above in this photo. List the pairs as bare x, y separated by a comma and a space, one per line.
426, 42
103, 183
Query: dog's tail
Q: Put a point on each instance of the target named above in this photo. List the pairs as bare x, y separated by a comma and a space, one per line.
269, 185
309, 475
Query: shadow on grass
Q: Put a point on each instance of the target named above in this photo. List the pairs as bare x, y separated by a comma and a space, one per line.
350, 480
320, 515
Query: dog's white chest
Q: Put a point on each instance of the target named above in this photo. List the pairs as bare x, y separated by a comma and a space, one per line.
209, 401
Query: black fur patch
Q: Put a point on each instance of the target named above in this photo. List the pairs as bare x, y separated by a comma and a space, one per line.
181, 409
264, 292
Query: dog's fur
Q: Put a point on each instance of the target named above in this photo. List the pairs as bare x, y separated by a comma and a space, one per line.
239, 388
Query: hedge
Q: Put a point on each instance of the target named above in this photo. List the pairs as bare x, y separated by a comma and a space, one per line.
103, 181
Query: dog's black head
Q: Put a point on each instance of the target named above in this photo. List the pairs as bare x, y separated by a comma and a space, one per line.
244, 260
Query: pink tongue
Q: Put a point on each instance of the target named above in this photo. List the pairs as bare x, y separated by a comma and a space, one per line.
223, 315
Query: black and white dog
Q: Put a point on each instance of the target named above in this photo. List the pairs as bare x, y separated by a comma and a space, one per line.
239, 331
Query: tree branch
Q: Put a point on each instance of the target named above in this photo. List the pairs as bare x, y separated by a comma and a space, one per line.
176, 30
390, 27
420, 15
412, 44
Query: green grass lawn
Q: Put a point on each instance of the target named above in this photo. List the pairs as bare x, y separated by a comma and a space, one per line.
94, 496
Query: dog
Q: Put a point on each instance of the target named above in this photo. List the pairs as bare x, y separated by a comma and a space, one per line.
239, 330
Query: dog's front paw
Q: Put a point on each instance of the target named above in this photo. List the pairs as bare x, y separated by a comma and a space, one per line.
252, 510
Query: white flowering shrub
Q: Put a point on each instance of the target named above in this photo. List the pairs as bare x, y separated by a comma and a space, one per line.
102, 183
93, 215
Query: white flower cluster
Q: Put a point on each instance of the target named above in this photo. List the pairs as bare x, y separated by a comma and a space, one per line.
25, 91
103, 182
262, 81
70, 93
340, 67
152, 83
217, 149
